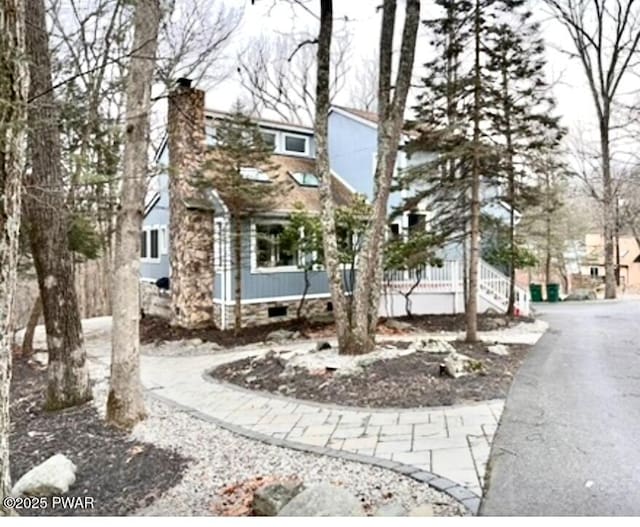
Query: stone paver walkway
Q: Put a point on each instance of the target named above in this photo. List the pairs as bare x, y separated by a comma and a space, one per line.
452, 442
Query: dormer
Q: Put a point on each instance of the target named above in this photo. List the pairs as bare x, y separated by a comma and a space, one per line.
286, 139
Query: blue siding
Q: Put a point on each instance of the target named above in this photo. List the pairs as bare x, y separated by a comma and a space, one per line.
351, 152
272, 284
159, 215
352, 149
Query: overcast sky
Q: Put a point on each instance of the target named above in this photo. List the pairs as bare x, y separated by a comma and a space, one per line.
269, 17
273, 17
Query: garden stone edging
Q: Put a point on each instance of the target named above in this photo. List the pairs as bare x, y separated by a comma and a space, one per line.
459, 493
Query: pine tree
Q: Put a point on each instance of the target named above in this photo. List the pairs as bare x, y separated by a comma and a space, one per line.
452, 123
442, 122
239, 149
520, 114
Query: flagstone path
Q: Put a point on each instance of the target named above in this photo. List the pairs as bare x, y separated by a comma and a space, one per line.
446, 447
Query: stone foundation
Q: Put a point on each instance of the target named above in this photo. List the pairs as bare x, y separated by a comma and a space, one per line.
258, 314
157, 302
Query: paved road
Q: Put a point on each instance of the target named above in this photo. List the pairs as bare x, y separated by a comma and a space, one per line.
569, 439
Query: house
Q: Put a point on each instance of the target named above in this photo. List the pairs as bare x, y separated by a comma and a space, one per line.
186, 231
186, 235
592, 265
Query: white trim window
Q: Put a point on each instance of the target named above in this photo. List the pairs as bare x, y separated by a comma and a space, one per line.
268, 253
151, 245
295, 144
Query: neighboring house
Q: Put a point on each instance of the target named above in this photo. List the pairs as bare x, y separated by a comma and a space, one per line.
186, 231
593, 261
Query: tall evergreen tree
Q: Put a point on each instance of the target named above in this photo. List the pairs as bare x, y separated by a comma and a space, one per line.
520, 112
239, 152
464, 116
452, 123
442, 122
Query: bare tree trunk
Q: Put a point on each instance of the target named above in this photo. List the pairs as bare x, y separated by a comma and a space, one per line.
407, 295
609, 213
14, 88
617, 223
390, 123
548, 212
356, 333
48, 223
606, 42
511, 192
327, 213
474, 252
237, 254
30, 330
125, 405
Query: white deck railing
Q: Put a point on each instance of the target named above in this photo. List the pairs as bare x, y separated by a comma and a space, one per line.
493, 285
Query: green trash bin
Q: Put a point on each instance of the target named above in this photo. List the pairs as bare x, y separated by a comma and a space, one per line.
553, 292
536, 292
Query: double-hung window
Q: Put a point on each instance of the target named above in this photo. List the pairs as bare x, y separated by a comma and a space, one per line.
152, 243
271, 252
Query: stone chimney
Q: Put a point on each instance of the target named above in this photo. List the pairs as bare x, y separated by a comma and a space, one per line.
190, 223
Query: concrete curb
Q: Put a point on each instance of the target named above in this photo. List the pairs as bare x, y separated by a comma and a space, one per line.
462, 495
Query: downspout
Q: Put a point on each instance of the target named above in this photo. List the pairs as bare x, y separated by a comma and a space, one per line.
223, 273
227, 266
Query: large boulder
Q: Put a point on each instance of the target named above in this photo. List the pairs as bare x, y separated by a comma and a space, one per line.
323, 345
457, 365
269, 499
53, 476
391, 509
282, 335
498, 349
398, 325
434, 346
323, 500
426, 509
41, 358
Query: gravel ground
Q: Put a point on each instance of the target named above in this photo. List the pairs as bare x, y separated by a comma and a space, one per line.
221, 458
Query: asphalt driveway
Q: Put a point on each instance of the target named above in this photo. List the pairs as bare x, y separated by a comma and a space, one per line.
569, 439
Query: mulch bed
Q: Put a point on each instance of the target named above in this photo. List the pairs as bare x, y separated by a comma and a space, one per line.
409, 381
486, 322
121, 475
156, 329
